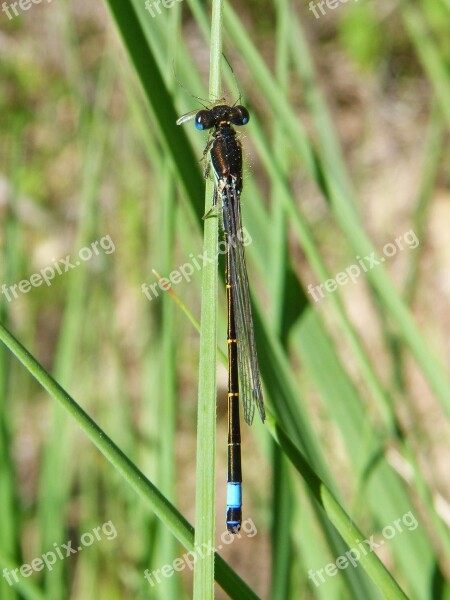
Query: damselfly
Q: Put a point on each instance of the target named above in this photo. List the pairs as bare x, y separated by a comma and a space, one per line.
243, 371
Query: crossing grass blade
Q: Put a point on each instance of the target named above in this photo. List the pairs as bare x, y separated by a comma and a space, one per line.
343, 523
165, 511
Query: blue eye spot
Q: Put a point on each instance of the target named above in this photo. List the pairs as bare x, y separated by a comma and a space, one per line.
198, 125
245, 121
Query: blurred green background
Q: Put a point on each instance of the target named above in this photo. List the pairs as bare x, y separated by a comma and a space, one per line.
345, 152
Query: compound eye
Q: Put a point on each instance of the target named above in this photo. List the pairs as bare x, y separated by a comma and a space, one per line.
240, 116
204, 120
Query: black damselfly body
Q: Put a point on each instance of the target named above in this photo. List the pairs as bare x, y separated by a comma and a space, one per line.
243, 371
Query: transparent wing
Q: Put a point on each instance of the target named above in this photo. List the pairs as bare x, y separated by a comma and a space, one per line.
250, 383
187, 117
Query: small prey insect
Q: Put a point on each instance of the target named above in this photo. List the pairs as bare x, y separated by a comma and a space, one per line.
243, 371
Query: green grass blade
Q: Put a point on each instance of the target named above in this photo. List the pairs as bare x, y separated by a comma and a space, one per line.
163, 509
9, 508
168, 406
378, 487
278, 274
280, 383
429, 55
206, 418
340, 519
160, 101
